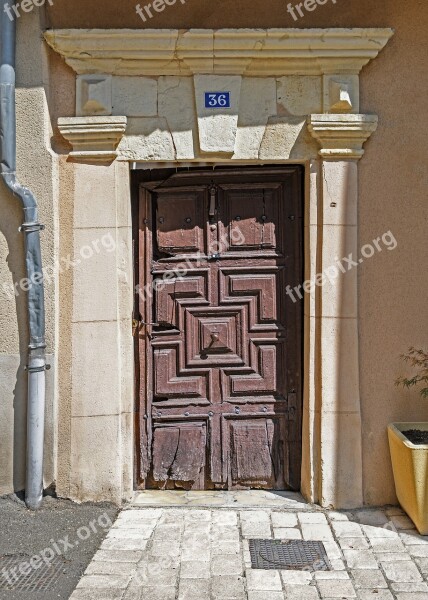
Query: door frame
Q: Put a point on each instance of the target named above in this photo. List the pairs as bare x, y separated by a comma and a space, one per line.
144, 186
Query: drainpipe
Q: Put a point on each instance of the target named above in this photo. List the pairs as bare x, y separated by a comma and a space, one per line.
31, 228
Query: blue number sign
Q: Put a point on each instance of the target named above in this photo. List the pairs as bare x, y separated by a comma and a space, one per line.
217, 99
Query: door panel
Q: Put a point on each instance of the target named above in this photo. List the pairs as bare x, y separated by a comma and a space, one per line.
221, 349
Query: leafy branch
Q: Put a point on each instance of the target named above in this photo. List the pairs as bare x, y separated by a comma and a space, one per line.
418, 359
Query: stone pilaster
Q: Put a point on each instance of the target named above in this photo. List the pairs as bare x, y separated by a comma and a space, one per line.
341, 137
101, 344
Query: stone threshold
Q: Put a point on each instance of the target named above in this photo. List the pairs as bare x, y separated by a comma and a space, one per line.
221, 499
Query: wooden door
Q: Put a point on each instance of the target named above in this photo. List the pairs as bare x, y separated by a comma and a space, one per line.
220, 342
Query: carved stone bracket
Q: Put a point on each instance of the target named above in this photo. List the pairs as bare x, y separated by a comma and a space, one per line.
342, 136
94, 139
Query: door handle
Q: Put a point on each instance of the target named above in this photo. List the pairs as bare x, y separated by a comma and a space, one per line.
212, 208
137, 324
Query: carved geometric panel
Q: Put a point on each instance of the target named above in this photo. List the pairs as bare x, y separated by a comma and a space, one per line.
171, 293
215, 337
169, 382
256, 211
180, 221
260, 289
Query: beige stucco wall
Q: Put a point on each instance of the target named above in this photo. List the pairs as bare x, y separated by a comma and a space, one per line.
393, 181
36, 167
393, 285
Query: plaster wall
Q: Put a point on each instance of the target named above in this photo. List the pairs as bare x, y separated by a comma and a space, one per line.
392, 193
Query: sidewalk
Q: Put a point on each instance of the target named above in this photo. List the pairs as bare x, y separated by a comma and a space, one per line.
196, 551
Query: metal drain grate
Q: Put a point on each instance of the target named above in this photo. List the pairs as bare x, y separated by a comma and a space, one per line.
295, 555
11, 578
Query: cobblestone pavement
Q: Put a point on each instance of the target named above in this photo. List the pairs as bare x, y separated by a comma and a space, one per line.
202, 553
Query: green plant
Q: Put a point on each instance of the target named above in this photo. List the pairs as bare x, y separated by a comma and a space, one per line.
419, 360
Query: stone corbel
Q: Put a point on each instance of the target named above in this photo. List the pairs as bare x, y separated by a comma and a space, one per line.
342, 136
94, 139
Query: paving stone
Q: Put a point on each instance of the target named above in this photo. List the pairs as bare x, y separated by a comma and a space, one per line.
337, 516
263, 580
230, 587
281, 519
225, 547
409, 587
97, 594
299, 592
104, 581
118, 556
411, 596
337, 564
312, 517
229, 564
387, 545
380, 532
336, 588
316, 531
368, 579
333, 550
379, 595
391, 556
401, 571
420, 551
152, 574
193, 589
124, 544
164, 548
167, 532
296, 577
276, 596
141, 513
423, 565
377, 518
130, 534
156, 593
339, 575
97, 567
412, 537
286, 533
360, 559
195, 569
224, 517
353, 543
348, 529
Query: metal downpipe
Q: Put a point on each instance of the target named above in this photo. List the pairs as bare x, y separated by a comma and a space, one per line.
31, 228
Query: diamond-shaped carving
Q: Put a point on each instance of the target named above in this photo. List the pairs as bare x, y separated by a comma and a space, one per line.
215, 336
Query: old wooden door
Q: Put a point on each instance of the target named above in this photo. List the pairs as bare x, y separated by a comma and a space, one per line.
220, 342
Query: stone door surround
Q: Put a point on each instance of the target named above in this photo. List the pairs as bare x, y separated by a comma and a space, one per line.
295, 99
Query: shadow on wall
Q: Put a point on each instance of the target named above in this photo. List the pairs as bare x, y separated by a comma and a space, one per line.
13, 345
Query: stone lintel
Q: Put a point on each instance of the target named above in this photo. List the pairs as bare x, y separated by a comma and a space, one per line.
249, 52
94, 139
342, 136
